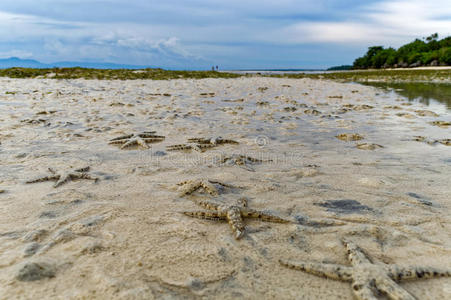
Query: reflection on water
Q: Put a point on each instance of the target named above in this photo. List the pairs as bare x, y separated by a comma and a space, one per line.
426, 93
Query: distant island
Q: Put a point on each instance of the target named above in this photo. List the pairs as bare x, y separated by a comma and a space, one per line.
427, 52
15, 62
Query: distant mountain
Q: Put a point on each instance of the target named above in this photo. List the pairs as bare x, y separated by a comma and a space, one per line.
17, 62
31, 63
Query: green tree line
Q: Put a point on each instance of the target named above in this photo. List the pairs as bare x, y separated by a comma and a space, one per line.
427, 52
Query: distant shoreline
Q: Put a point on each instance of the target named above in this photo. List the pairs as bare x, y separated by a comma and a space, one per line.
314, 71
280, 71
418, 68
420, 74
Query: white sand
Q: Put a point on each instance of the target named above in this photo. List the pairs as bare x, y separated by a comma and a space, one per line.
124, 237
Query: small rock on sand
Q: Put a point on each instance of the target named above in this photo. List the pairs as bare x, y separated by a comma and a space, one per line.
35, 235
33, 271
366, 146
31, 249
344, 206
426, 113
370, 182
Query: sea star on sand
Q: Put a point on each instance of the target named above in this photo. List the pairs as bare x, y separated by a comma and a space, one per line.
234, 214
201, 144
419, 138
63, 177
242, 161
137, 139
197, 147
190, 186
349, 137
367, 146
214, 141
442, 124
366, 276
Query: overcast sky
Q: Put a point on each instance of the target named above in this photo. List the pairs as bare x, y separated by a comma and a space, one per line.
229, 33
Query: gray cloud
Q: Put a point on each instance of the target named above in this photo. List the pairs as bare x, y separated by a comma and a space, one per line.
199, 33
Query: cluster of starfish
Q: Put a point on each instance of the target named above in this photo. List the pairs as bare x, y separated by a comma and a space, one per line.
137, 139
201, 144
366, 276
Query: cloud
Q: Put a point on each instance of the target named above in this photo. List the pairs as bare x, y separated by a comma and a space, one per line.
61, 40
16, 53
169, 47
230, 33
387, 22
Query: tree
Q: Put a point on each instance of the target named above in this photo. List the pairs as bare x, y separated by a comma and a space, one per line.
379, 60
445, 56
418, 52
432, 37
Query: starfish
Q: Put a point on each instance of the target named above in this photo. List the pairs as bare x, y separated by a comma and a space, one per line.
190, 186
392, 107
36, 121
241, 160
62, 178
366, 146
419, 138
234, 214
197, 147
312, 112
366, 276
426, 113
214, 141
358, 107
201, 144
443, 124
137, 139
349, 137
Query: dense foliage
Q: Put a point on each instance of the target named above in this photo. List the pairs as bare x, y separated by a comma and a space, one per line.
427, 52
340, 68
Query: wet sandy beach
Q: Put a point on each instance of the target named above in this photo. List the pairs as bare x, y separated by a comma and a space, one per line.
336, 160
